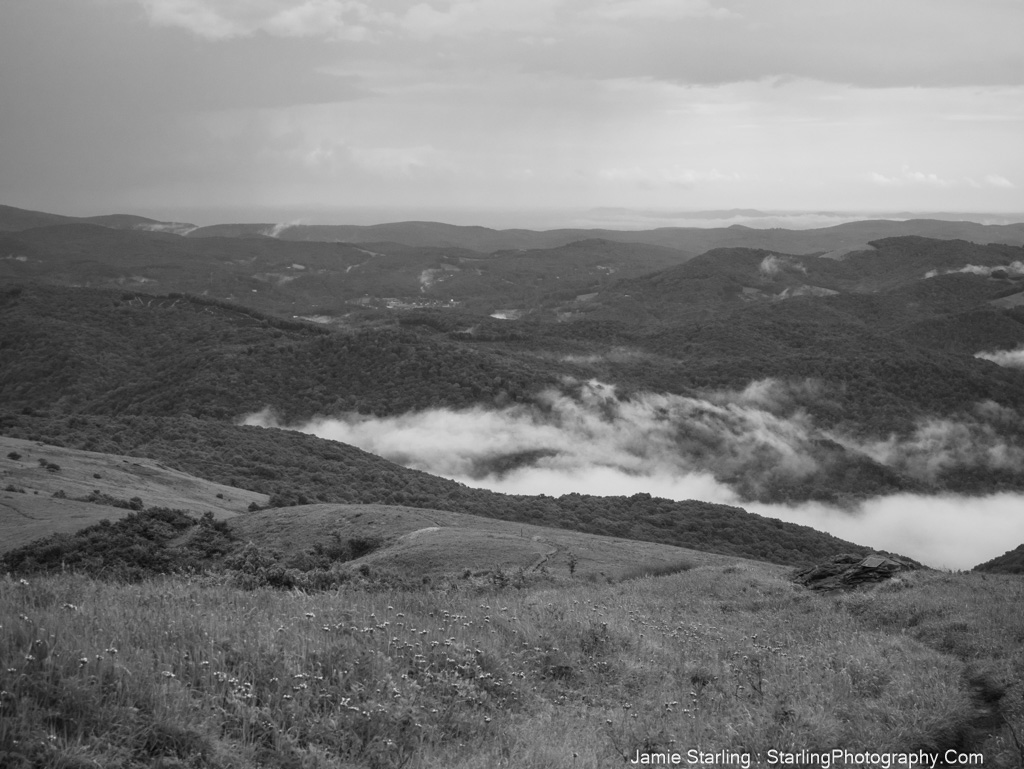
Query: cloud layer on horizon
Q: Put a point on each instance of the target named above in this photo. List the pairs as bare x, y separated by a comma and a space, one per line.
509, 103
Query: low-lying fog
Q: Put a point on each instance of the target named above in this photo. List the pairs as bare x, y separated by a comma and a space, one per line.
593, 442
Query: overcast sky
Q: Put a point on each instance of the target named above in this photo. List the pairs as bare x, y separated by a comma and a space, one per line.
285, 106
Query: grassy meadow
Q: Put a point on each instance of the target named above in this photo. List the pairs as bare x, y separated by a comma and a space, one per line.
464, 674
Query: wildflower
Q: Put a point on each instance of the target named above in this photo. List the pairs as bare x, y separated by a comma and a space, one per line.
168, 674
82, 661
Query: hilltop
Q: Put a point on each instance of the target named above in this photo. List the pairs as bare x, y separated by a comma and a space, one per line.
16, 219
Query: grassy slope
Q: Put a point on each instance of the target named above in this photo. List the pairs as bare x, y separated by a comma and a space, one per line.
422, 542
412, 541
298, 469
418, 541
575, 674
32, 511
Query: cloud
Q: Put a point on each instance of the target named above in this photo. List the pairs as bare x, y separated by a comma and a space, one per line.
315, 18
724, 446
1008, 358
909, 176
999, 181
277, 229
619, 10
773, 265
193, 15
1013, 268
733, 433
473, 17
224, 19
938, 445
943, 531
676, 40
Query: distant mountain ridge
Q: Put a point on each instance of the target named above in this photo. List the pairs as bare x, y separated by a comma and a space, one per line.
839, 238
17, 219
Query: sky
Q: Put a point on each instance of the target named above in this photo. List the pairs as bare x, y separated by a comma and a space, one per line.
318, 110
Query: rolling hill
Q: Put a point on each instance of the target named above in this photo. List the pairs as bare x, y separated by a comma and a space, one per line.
885, 358
51, 490
16, 219
56, 490
863, 367
320, 279
297, 469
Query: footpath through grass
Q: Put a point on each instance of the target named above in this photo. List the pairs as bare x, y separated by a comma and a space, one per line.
193, 673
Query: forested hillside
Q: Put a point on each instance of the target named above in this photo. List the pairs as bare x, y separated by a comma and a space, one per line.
299, 469
868, 383
100, 352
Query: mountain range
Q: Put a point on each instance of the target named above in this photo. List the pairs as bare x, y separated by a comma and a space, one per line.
838, 371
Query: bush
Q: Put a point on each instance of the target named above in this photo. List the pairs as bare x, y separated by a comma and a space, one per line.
655, 570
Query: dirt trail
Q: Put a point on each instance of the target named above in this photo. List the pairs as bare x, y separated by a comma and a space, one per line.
544, 558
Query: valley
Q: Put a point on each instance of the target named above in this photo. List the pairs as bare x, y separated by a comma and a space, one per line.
620, 443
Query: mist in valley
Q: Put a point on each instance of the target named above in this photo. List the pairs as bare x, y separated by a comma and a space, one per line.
729, 447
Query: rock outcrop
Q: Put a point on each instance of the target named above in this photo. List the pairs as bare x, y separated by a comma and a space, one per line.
844, 572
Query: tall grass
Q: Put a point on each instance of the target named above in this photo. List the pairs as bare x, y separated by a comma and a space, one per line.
182, 672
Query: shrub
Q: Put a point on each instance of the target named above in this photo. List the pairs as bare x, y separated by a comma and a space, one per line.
655, 570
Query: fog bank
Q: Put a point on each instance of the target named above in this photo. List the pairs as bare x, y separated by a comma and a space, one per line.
723, 446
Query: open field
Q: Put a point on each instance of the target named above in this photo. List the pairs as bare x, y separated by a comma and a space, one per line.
433, 543
570, 674
31, 511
